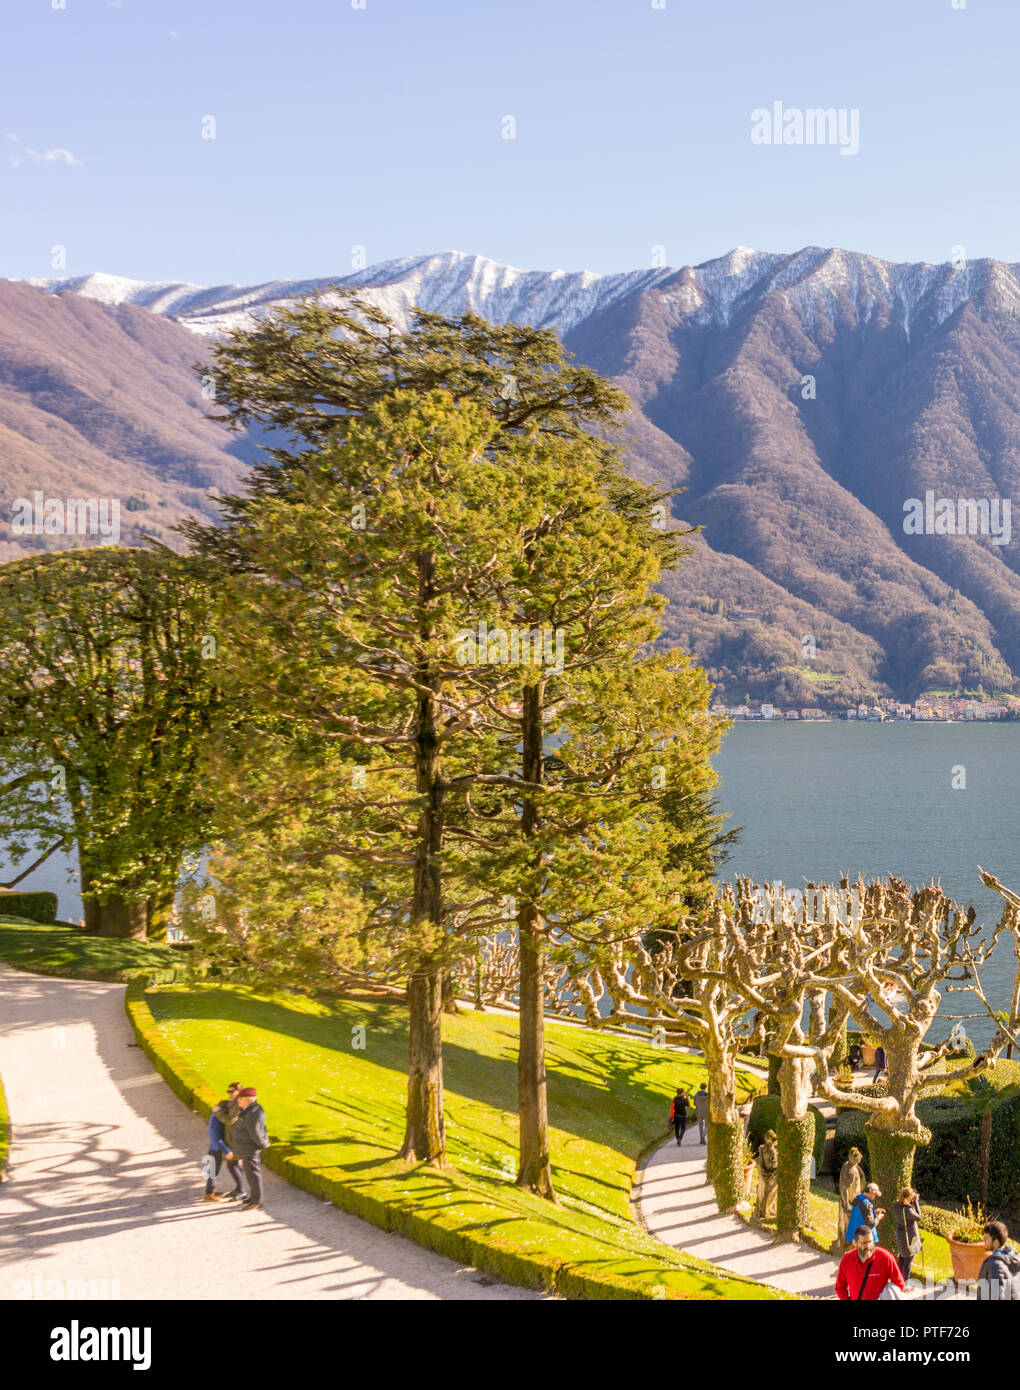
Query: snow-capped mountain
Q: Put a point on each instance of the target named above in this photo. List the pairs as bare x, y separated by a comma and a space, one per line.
799, 401
814, 279
450, 283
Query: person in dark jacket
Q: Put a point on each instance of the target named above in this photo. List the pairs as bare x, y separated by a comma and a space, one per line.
678, 1113
249, 1138
999, 1277
701, 1112
229, 1111
907, 1211
881, 1064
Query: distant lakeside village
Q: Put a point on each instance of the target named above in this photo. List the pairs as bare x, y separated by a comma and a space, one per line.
925, 709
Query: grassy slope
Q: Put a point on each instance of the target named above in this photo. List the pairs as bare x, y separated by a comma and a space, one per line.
55, 950
608, 1098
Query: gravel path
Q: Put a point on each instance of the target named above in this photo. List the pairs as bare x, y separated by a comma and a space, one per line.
102, 1197
678, 1207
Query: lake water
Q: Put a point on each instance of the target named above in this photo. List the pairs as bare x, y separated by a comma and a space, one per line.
819, 799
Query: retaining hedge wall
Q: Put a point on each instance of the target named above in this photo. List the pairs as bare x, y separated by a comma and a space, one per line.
34, 907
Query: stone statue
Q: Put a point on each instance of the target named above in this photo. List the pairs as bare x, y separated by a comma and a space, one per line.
768, 1178
851, 1184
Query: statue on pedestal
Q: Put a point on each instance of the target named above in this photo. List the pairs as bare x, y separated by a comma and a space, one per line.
768, 1178
851, 1184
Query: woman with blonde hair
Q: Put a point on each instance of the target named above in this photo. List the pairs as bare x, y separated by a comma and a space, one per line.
907, 1211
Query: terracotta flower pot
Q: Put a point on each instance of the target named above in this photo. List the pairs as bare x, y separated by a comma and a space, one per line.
868, 1054
968, 1257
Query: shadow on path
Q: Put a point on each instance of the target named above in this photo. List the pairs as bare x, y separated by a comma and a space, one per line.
104, 1187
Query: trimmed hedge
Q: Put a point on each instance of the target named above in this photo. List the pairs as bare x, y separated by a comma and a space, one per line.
5, 1131
950, 1166
765, 1112
33, 907
850, 1134
493, 1252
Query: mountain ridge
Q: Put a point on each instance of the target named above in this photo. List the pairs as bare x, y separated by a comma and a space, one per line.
800, 400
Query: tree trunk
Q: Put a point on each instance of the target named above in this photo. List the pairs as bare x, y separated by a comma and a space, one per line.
124, 919
795, 1132
115, 916
450, 1005
157, 916
726, 1161
725, 1156
425, 1134
772, 1085
534, 1171
986, 1153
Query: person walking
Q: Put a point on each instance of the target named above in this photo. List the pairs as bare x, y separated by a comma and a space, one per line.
907, 1211
678, 1113
999, 1276
701, 1113
865, 1270
218, 1150
229, 1111
864, 1212
248, 1138
881, 1064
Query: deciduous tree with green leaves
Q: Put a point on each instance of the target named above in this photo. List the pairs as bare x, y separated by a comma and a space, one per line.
107, 692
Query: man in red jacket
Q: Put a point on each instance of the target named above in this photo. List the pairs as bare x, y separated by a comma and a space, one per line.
865, 1270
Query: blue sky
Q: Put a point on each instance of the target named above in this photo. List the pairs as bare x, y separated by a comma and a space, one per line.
382, 128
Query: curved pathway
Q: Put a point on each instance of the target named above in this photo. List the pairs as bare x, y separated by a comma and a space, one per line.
103, 1192
677, 1206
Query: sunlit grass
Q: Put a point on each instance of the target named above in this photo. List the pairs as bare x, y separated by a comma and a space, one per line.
333, 1081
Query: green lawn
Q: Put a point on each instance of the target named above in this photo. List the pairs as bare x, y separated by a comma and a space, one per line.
342, 1106
56, 950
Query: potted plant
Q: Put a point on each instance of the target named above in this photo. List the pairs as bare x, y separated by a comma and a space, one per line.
966, 1242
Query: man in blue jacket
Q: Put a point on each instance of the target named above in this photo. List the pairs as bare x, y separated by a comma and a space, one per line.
864, 1212
248, 1139
219, 1150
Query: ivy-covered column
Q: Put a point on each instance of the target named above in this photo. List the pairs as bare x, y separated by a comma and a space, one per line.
795, 1135
891, 1156
796, 1140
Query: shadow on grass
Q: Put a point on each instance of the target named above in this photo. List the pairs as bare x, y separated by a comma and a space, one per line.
612, 1101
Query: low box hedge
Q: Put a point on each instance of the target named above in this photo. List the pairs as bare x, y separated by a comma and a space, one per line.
765, 1111
33, 907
